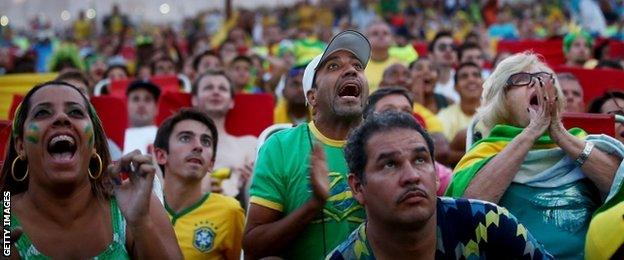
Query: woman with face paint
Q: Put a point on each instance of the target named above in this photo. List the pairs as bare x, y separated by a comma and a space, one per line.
67, 200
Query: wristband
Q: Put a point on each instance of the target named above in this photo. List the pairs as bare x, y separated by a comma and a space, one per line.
580, 160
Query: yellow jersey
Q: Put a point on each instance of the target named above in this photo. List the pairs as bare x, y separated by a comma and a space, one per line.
280, 114
432, 122
375, 69
212, 228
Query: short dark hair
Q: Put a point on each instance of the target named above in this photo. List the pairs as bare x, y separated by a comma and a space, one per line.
611, 64
211, 73
163, 58
241, 58
464, 65
467, 46
437, 37
381, 93
387, 71
596, 104
355, 149
199, 57
164, 131
116, 66
567, 76
146, 85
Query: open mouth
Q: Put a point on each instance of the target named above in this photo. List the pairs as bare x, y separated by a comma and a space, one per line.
195, 161
349, 90
533, 102
62, 147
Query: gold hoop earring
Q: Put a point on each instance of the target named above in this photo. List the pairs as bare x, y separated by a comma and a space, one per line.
99, 167
13, 171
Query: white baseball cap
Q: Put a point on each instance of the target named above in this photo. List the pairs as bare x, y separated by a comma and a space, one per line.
348, 40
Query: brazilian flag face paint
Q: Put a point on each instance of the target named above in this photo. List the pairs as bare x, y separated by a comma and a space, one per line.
88, 130
32, 133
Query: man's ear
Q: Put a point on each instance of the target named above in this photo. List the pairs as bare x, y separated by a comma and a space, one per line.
161, 156
211, 165
311, 96
357, 187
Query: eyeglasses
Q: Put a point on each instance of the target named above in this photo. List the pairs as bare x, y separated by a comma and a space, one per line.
523, 78
445, 46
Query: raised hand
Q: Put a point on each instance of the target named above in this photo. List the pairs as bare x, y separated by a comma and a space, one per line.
215, 185
245, 172
319, 174
556, 128
540, 118
133, 176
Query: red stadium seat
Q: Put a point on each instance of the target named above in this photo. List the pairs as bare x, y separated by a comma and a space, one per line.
17, 99
552, 50
595, 82
5, 134
616, 49
169, 103
591, 123
421, 48
252, 113
117, 88
113, 114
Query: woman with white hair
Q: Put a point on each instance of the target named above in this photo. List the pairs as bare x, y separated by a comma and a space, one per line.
552, 179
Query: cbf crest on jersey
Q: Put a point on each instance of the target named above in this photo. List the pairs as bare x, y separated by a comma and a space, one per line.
204, 238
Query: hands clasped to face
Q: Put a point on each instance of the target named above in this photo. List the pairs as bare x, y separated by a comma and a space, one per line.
545, 115
540, 102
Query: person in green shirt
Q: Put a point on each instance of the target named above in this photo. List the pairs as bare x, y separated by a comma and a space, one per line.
301, 205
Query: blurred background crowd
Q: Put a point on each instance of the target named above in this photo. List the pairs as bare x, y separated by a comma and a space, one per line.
417, 45
93, 40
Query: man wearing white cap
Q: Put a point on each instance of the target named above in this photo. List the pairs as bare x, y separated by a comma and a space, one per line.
301, 205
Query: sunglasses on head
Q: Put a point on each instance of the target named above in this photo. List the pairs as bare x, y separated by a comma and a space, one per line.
523, 78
